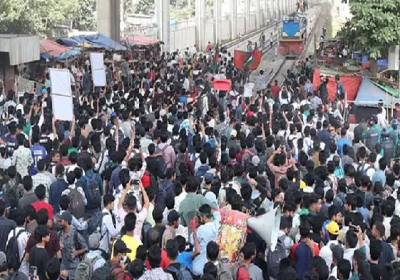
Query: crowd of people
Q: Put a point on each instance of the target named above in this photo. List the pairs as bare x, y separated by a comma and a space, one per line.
134, 186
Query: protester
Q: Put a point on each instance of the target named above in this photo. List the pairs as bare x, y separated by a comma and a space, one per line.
147, 171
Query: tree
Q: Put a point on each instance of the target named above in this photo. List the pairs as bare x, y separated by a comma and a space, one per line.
145, 7
85, 19
33, 16
374, 27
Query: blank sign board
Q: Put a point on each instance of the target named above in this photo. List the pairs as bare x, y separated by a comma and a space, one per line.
60, 81
61, 94
98, 69
63, 108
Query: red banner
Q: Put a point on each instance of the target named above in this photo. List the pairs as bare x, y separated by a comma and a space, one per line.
224, 85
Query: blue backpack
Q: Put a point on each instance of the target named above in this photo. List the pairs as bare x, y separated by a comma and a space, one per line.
92, 192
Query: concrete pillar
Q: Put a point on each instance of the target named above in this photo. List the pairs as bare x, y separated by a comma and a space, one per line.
273, 9
247, 16
157, 12
163, 21
200, 23
233, 18
109, 19
259, 14
217, 21
166, 26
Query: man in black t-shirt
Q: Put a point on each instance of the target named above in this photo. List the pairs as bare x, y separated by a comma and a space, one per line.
375, 248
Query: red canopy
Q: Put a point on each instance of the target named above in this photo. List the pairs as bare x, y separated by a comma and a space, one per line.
141, 40
350, 83
52, 48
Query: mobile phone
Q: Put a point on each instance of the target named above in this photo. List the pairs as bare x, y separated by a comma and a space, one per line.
32, 272
354, 228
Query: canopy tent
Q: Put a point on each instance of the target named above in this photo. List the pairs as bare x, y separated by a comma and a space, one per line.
97, 41
350, 83
69, 54
50, 49
393, 92
139, 40
369, 95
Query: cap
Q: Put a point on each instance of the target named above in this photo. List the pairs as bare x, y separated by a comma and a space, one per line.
233, 133
173, 216
337, 251
66, 216
3, 259
255, 160
333, 228
113, 114
208, 177
94, 241
120, 247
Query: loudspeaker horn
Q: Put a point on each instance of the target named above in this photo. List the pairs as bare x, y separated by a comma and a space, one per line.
267, 226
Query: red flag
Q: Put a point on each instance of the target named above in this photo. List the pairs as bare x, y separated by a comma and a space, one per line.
247, 60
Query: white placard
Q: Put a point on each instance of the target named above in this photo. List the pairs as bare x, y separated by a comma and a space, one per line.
60, 82
98, 69
248, 90
63, 108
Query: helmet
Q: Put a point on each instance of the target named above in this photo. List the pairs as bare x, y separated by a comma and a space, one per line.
385, 133
395, 123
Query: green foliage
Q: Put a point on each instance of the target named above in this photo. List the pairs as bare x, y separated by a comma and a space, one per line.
374, 27
145, 7
84, 19
33, 16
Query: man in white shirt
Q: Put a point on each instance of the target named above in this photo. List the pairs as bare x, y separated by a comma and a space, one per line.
108, 229
22, 237
326, 251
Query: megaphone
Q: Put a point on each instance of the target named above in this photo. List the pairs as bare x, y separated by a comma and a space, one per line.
267, 226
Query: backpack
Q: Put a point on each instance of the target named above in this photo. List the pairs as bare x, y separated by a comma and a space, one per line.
92, 192
235, 270
104, 272
95, 223
11, 193
76, 204
153, 180
108, 169
161, 161
339, 202
223, 272
274, 257
361, 168
12, 251
182, 273
180, 159
84, 270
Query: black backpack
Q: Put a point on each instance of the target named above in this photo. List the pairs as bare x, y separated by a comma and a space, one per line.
92, 192
12, 251
11, 193
95, 223
104, 272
